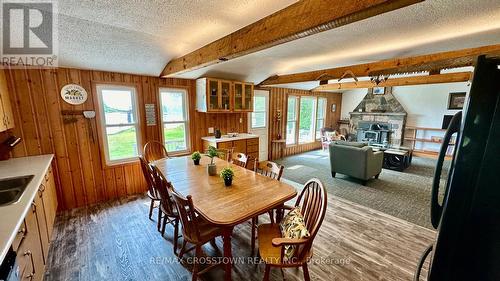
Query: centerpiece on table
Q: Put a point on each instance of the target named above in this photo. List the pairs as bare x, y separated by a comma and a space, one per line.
212, 168
227, 174
196, 156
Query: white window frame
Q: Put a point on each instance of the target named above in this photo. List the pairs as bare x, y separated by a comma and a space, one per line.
185, 102
255, 111
104, 126
297, 108
324, 115
313, 123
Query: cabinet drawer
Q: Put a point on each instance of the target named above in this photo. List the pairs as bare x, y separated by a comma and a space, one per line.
252, 148
225, 145
254, 141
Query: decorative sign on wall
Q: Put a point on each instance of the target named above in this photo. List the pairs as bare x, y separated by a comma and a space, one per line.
150, 114
74, 94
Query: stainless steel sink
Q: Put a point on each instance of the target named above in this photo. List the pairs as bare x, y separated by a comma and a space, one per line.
11, 189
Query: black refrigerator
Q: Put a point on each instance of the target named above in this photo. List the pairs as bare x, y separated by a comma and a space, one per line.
467, 219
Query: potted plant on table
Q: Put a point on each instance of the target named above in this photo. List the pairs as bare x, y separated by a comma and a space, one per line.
227, 174
196, 156
212, 168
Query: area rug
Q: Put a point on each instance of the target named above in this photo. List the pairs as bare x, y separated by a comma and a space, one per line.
405, 195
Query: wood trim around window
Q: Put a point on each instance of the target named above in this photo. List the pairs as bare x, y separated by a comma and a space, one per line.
99, 123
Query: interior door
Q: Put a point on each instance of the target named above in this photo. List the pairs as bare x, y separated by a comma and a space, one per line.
258, 121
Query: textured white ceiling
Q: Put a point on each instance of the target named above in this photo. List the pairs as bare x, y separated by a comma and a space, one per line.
142, 36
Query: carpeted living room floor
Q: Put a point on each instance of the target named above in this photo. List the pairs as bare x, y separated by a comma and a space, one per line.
405, 195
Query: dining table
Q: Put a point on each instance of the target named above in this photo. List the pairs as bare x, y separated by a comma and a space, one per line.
250, 194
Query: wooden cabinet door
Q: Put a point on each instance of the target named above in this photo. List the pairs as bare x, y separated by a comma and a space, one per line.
30, 251
225, 95
240, 146
42, 223
248, 97
49, 198
238, 94
213, 93
6, 115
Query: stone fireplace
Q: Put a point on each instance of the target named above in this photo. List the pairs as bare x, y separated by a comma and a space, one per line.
379, 119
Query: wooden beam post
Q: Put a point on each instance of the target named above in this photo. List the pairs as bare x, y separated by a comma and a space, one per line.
431, 62
402, 81
296, 21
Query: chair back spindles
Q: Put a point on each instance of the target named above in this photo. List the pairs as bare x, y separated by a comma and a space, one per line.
165, 189
269, 169
154, 150
149, 176
312, 201
240, 159
187, 216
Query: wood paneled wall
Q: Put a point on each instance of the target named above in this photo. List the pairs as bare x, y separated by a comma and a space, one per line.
278, 101
82, 178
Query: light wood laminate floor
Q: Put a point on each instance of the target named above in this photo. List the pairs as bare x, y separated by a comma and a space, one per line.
117, 241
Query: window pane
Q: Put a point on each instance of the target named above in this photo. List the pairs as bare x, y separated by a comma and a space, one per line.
175, 136
118, 107
290, 132
321, 108
292, 101
258, 119
307, 114
172, 106
259, 103
122, 142
319, 125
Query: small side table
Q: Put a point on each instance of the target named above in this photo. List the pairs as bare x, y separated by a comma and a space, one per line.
281, 144
397, 159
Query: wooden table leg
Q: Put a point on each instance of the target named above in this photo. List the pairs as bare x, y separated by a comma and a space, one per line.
228, 256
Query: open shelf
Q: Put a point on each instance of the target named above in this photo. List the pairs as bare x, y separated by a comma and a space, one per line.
426, 140
412, 134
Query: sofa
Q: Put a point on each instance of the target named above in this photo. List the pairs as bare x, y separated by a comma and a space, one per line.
355, 159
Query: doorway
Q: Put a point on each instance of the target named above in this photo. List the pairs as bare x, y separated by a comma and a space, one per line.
259, 121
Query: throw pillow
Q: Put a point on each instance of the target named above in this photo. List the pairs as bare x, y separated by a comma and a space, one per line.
292, 226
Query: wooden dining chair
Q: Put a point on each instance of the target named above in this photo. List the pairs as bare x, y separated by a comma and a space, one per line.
224, 153
167, 213
312, 201
196, 231
271, 170
154, 150
240, 159
150, 181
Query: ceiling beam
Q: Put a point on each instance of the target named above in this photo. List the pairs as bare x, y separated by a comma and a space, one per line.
296, 21
402, 81
432, 62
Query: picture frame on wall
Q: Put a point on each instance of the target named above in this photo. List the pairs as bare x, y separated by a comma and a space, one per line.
334, 107
456, 100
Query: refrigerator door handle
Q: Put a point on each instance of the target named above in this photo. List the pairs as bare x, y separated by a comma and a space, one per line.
436, 208
427, 251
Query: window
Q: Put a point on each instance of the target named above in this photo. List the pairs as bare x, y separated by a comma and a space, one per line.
306, 119
119, 123
320, 116
259, 112
291, 120
174, 118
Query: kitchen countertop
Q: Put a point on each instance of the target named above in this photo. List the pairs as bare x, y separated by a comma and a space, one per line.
225, 138
12, 216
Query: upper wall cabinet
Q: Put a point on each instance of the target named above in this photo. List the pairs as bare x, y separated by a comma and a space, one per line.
217, 95
6, 116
